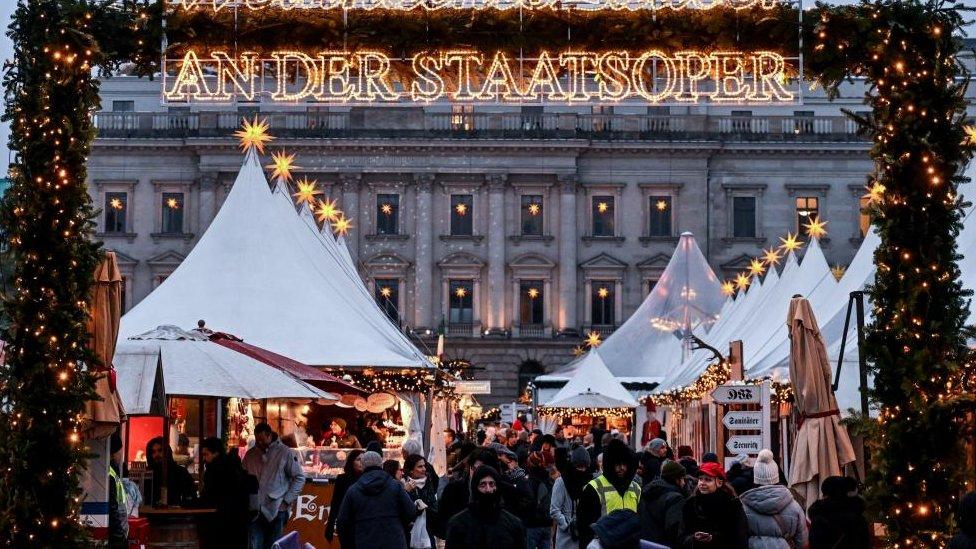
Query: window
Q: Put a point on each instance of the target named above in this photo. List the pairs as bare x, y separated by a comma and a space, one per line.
532, 117
386, 291
864, 217
659, 223
461, 302
387, 214
602, 118
461, 214
807, 208
531, 215
122, 293
462, 117
603, 216
531, 303
743, 217
172, 208
603, 302
116, 208
123, 106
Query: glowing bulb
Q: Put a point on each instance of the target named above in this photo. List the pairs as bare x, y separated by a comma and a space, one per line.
387, 209
756, 267
728, 288
306, 191
816, 228
172, 204
535, 209
461, 209
253, 135
603, 293
533, 293
281, 165
741, 281
790, 243
771, 256
341, 225
661, 205
602, 207
593, 339
327, 212
386, 292
116, 204
461, 292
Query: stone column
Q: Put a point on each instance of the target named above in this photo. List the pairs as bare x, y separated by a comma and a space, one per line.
495, 213
350, 207
424, 262
568, 241
208, 201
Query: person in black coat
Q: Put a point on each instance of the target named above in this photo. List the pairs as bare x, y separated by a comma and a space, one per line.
180, 488
224, 489
661, 505
457, 493
966, 538
619, 467
376, 510
421, 486
351, 472
485, 524
837, 520
713, 516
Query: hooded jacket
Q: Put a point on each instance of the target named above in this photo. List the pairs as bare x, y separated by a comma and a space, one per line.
375, 513
837, 521
776, 520
589, 509
719, 514
484, 524
660, 512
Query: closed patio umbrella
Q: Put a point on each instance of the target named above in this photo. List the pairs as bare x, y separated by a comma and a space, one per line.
822, 446
106, 412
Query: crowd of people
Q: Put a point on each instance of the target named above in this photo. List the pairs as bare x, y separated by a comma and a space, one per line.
514, 488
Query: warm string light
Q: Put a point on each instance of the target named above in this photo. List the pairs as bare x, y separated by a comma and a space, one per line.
433, 5
470, 76
560, 412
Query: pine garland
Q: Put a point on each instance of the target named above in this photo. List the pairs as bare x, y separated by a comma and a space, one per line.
917, 343
47, 219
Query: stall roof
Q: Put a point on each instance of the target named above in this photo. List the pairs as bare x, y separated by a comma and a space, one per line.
195, 366
263, 274
592, 386
140, 384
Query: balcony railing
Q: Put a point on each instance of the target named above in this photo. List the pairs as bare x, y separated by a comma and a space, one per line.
603, 329
532, 330
416, 123
463, 329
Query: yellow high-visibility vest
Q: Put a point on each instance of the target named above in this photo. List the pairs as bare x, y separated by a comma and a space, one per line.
610, 498
119, 490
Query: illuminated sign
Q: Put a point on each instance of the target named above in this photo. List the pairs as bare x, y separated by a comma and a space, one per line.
652, 77
633, 5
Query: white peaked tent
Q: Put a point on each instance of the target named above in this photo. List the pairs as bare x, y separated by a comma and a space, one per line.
265, 273
592, 386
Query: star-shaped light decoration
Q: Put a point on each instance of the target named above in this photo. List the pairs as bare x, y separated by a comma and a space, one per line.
535, 209
756, 267
306, 192
741, 281
461, 209
875, 193
327, 212
533, 293
386, 292
970, 138
578, 351
790, 243
253, 135
661, 205
603, 293
592, 339
728, 288
602, 207
771, 256
341, 225
816, 228
838, 271
172, 203
386, 209
281, 165
116, 204
461, 292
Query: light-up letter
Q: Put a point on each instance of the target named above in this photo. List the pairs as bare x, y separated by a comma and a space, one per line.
729, 70
663, 67
190, 82
373, 84
613, 82
241, 78
465, 61
581, 68
769, 72
429, 85
334, 81
693, 67
499, 82
305, 69
544, 80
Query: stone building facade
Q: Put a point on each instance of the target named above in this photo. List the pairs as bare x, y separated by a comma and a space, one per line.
516, 229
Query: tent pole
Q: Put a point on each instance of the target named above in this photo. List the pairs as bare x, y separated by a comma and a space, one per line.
861, 359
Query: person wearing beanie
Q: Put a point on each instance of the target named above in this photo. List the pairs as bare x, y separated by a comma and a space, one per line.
338, 436
615, 488
837, 520
565, 497
775, 519
484, 524
652, 458
713, 516
709, 457
661, 503
376, 509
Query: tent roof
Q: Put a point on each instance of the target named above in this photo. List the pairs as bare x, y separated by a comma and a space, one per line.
592, 386
262, 273
195, 366
140, 384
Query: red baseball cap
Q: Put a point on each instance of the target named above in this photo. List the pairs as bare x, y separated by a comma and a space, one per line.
711, 469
